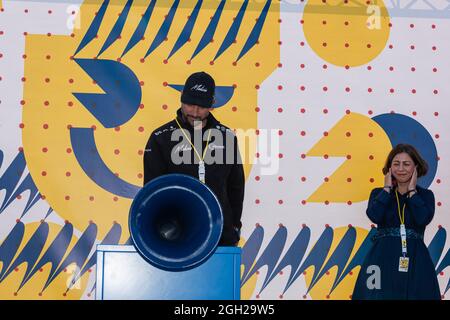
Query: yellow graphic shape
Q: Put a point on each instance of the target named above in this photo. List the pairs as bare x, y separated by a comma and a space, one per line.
50, 108
248, 288
32, 290
365, 145
350, 33
321, 290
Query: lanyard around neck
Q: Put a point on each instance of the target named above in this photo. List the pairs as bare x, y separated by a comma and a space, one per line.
401, 214
200, 158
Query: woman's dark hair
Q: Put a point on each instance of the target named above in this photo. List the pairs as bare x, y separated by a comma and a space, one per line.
422, 166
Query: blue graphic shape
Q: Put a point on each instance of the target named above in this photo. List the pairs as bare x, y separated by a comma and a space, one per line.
112, 238
436, 245
10, 179
94, 27
54, 253
444, 264
256, 31
293, 257
358, 258
250, 251
317, 255
26, 185
79, 252
31, 251
9, 247
339, 256
141, 28
122, 89
271, 254
234, 29
222, 95
118, 27
210, 30
187, 30
86, 152
414, 133
164, 30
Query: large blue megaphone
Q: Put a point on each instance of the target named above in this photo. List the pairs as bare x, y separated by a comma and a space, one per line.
175, 222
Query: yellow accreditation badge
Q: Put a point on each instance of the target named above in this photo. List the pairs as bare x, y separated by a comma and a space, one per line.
403, 264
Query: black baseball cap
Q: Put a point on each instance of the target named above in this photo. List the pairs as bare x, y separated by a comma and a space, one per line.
199, 90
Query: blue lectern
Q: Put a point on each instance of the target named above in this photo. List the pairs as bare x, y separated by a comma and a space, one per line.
122, 274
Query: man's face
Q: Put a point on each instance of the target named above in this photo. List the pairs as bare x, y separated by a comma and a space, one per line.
194, 113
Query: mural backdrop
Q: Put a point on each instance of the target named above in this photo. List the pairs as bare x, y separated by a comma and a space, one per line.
317, 91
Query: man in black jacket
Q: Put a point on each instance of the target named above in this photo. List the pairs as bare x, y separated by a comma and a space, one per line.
213, 157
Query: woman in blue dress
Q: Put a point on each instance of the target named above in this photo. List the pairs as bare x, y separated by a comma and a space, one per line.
399, 266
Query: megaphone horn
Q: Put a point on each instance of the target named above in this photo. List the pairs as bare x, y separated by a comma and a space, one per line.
175, 222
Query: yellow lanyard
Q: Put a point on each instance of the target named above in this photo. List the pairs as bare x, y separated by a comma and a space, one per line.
207, 142
401, 214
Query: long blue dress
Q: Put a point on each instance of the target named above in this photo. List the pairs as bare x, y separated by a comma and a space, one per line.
420, 282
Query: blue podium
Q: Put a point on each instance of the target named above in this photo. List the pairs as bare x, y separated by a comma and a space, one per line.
122, 274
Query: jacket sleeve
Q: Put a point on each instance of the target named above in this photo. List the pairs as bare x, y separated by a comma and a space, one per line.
154, 161
236, 187
422, 207
376, 208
